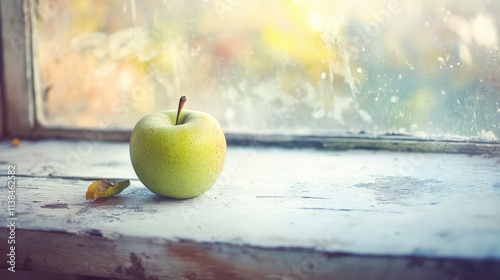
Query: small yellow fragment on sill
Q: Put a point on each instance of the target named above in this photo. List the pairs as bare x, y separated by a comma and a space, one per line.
104, 188
15, 142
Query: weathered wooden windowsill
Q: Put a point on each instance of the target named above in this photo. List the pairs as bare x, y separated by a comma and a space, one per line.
273, 214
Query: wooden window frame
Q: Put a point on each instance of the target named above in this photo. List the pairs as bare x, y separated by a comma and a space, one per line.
20, 104
16, 79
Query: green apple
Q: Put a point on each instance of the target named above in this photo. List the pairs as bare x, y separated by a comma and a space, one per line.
178, 154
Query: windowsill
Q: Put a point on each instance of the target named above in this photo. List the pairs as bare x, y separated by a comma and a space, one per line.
273, 211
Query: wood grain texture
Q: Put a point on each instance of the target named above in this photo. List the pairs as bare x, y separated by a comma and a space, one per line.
273, 214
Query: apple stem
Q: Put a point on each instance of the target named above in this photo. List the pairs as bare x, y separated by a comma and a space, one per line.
179, 109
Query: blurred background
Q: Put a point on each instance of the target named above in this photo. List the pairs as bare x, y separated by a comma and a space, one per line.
423, 68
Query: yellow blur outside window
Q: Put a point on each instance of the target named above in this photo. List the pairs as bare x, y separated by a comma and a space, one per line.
422, 68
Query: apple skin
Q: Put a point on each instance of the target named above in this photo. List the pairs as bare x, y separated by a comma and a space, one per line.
178, 161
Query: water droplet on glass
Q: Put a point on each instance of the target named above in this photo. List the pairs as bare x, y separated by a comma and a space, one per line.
365, 116
441, 60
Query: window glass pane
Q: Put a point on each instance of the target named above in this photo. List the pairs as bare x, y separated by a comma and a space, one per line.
424, 68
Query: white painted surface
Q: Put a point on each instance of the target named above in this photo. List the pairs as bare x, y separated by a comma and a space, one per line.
358, 202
